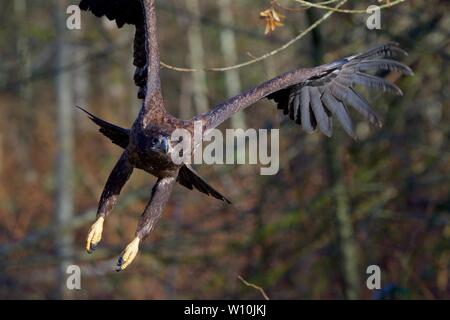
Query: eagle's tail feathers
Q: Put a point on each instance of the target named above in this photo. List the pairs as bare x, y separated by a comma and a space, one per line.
116, 134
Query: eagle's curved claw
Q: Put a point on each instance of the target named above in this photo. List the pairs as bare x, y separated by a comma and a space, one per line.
128, 254
95, 235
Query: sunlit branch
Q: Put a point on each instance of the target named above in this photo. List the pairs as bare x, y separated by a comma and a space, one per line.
264, 56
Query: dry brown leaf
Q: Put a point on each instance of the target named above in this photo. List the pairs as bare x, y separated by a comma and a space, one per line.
273, 19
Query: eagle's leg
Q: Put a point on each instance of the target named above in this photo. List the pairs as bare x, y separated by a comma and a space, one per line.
160, 195
117, 179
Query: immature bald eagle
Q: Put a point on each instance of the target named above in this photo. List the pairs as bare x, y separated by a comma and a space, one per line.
311, 97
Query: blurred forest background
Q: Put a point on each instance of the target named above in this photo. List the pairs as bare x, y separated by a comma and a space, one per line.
309, 232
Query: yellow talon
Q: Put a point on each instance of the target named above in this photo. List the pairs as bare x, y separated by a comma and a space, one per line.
95, 235
128, 254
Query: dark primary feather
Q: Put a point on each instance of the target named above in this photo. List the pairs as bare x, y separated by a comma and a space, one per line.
126, 12
333, 92
187, 177
122, 11
312, 97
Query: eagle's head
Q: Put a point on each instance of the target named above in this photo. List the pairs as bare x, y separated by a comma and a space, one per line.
159, 143
153, 142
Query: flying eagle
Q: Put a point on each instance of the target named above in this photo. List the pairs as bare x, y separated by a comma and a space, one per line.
310, 97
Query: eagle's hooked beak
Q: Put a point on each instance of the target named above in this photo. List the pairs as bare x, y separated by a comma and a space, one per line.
160, 145
164, 144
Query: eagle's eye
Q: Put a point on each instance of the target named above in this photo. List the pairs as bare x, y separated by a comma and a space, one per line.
154, 141
159, 144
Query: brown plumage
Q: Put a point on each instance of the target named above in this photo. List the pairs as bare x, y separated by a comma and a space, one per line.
311, 97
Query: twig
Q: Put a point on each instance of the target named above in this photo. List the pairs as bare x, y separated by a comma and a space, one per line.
336, 9
248, 284
267, 55
288, 9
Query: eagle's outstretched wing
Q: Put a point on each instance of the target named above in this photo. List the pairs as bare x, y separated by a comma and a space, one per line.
126, 12
312, 96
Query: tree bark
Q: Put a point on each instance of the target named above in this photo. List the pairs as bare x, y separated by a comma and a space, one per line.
197, 58
64, 164
334, 150
23, 89
23, 52
228, 43
185, 102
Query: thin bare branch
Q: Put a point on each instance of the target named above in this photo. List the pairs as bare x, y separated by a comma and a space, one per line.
308, 4
264, 56
303, 8
251, 285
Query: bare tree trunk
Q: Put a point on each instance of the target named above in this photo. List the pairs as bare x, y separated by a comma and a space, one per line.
271, 68
81, 73
228, 42
185, 102
23, 71
347, 245
173, 270
23, 52
64, 165
197, 57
